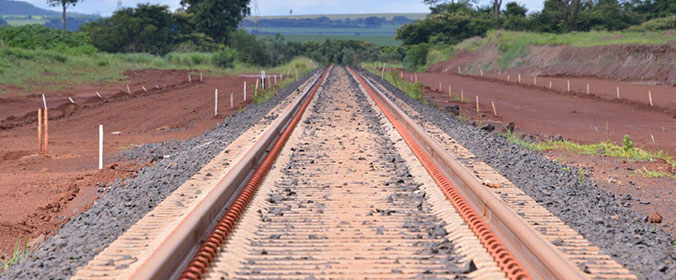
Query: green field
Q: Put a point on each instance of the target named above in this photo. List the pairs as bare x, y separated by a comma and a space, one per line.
23, 20
383, 35
376, 39
388, 16
388, 30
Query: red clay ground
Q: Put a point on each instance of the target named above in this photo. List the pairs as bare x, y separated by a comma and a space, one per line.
39, 193
538, 111
577, 117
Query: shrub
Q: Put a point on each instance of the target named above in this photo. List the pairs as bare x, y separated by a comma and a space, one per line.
224, 58
41, 37
416, 56
666, 23
627, 144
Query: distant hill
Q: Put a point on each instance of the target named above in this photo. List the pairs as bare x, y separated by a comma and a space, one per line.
9, 7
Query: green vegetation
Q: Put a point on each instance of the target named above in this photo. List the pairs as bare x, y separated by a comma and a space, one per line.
370, 28
22, 20
439, 53
578, 39
148, 36
215, 18
657, 24
450, 23
416, 57
224, 58
413, 90
35, 37
349, 52
52, 69
265, 95
644, 172
147, 28
19, 253
381, 40
561, 22
607, 148
514, 44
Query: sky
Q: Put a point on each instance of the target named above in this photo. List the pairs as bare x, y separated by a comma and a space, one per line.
282, 7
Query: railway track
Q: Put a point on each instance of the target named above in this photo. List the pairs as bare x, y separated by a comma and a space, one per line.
344, 184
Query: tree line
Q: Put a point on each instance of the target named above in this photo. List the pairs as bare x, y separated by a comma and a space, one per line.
452, 22
155, 29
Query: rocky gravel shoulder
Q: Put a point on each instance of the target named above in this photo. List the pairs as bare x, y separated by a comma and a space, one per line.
124, 202
598, 215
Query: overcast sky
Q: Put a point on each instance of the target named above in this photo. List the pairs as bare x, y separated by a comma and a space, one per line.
282, 7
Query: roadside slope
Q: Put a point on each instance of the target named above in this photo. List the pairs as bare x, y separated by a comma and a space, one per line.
605, 56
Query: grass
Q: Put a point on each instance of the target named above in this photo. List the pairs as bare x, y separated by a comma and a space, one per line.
265, 95
607, 148
439, 53
513, 44
413, 90
33, 70
19, 253
645, 172
24, 20
457, 98
581, 39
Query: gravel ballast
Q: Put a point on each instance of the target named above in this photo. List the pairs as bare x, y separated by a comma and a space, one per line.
388, 201
598, 215
125, 202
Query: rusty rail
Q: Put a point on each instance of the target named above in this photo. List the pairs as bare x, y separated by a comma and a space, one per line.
538, 258
177, 250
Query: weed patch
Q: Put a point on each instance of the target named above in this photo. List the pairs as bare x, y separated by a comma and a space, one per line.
20, 251
607, 148
413, 90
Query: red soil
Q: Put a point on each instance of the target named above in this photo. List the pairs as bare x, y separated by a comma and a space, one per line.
579, 117
39, 193
582, 118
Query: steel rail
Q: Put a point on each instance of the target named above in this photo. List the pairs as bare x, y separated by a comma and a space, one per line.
176, 250
539, 258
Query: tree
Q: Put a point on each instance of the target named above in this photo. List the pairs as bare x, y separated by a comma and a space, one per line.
569, 9
373, 22
147, 28
2, 22
514, 9
64, 4
447, 28
217, 18
496, 8
432, 2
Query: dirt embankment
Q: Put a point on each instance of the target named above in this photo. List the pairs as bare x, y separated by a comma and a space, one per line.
653, 64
